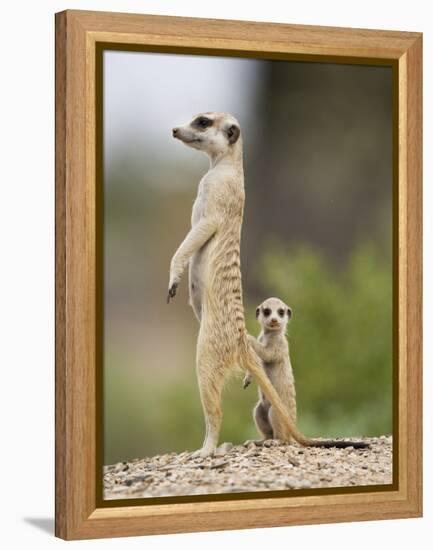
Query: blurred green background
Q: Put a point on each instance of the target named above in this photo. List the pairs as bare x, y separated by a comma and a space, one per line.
317, 233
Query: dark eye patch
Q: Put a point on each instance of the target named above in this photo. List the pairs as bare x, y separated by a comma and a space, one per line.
281, 312
202, 122
266, 312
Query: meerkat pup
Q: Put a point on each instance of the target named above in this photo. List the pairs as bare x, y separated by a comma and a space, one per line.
212, 251
273, 349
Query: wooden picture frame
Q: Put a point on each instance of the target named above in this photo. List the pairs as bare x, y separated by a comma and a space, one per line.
80, 38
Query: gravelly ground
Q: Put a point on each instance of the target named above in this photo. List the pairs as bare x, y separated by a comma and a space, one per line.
246, 468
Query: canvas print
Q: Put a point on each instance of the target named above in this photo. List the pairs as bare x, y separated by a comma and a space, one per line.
247, 299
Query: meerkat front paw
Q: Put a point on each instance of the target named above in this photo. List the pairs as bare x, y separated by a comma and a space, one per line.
172, 289
247, 380
252, 341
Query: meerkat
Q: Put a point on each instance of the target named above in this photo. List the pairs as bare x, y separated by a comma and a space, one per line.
273, 349
212, 251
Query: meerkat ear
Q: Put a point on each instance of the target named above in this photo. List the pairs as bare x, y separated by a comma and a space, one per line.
289, 312
257, 312
233, 133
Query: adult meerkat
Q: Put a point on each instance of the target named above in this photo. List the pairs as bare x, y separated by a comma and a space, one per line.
212, 250
273, 349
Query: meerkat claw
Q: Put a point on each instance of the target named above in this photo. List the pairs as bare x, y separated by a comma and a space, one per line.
172, 292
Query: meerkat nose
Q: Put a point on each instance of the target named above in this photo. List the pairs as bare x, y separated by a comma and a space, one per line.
175, 131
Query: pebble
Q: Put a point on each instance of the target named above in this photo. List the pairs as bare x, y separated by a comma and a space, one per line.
220, 464
224, 449
239, 468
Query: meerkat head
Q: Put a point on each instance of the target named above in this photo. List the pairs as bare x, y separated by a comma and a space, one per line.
213, 133
273, 315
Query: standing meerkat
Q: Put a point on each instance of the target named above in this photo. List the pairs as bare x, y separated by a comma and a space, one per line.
212, 250
273, 349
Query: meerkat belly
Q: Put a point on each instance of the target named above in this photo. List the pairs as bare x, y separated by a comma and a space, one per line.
198, 261
197, 266
279, 378
222, 309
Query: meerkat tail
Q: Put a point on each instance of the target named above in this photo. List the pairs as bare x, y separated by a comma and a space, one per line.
253, 364
329, 443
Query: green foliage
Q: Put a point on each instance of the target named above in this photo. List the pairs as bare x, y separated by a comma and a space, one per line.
341, 348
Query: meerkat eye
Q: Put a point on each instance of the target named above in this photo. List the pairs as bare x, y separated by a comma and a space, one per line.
203, 122
281, 312
266, 312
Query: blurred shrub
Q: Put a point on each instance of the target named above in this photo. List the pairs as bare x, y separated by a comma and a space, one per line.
340, 337
341, 349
